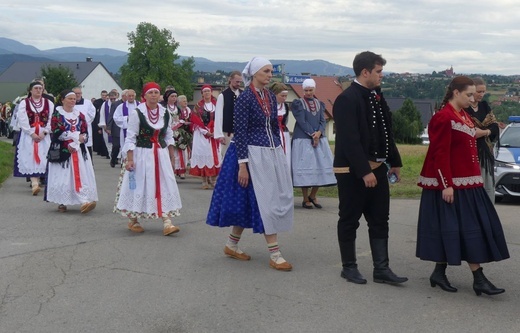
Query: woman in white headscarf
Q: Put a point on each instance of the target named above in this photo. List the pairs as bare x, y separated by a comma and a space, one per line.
311, 154
254, 188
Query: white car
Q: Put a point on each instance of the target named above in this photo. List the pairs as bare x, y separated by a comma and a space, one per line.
507, 161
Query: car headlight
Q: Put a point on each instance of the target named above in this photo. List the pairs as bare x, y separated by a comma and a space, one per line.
500, 164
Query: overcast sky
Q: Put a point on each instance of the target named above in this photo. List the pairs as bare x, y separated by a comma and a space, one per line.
418, 36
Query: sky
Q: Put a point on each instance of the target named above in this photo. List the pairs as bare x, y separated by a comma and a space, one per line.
416, 36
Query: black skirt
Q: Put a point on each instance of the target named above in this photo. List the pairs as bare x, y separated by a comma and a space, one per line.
468, 230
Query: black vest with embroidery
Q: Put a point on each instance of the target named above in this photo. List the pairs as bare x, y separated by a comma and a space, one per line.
229, 106
144, 138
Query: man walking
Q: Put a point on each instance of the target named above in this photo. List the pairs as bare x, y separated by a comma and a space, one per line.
224, 111
364, 146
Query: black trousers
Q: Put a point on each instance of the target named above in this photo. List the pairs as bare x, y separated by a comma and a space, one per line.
116, 146
355, 200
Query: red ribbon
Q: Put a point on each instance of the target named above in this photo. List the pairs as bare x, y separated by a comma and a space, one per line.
75, 167
156, 147
214, 143
181, 159
36, 125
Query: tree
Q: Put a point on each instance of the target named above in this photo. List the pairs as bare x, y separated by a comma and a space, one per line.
152, 58
58, 78
407, 124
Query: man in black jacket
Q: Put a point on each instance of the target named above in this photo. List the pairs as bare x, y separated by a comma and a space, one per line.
115, 130
364, 147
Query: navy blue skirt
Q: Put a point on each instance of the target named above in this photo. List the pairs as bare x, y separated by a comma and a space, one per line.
468, 230
232, 204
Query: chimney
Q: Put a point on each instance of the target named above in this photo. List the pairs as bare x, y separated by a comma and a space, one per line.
89, 59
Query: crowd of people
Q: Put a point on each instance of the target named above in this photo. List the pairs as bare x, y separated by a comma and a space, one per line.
241, 147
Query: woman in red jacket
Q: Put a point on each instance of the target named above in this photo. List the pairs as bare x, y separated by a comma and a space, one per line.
457, 220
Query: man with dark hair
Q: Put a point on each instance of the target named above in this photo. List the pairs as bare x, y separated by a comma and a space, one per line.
364, 148
224, 110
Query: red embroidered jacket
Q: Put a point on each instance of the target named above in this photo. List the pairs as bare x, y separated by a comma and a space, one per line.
452, 158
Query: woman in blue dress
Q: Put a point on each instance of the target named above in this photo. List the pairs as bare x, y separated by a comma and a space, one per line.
311, 154
254, 188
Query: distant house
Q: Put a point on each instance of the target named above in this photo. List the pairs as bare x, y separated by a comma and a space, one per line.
91, 76
426, 107
327, 89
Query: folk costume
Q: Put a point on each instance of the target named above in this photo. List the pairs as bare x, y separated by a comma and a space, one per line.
156, 194
311, 166
468, 229
88, 109
285, 136
364, 141
266, 205
205, 155
224, 116
484, 118
34, 117
104, 113
181, 134
120, 118
71, 179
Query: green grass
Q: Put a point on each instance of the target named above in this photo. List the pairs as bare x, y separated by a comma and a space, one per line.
6, 160
412, 157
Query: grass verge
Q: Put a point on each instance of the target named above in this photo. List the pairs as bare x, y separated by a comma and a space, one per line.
6, 160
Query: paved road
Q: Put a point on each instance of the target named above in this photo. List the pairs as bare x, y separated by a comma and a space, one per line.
87, 273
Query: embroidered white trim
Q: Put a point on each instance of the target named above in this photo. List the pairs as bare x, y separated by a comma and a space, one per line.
465, 181
463, 128
428, 181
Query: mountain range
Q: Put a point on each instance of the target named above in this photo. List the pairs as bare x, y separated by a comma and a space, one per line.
12, 50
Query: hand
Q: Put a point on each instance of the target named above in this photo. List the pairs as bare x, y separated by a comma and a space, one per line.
129, 166
107, 131
447, 195
82, 138
222, 141
243, 175
396, 171
209, 135
71, 150
370, 180
35, 137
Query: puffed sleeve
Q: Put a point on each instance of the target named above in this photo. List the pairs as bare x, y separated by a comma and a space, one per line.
132, 130
219, 117
23, 119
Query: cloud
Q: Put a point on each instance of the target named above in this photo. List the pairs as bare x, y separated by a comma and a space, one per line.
414, 36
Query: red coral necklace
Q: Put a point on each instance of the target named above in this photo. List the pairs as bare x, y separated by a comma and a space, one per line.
153, 114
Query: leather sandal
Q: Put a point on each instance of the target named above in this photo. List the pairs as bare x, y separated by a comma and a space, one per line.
169, 228
134, 226
313, 201
87, 207
62, 208
235, 255
307, 205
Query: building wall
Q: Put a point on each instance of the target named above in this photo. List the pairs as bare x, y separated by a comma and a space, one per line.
98, 80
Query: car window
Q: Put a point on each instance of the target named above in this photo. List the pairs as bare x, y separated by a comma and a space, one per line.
511, 137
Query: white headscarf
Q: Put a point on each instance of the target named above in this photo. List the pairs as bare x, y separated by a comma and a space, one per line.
252, 67
308, 83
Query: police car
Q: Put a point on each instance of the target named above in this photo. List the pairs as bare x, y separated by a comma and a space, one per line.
507, 161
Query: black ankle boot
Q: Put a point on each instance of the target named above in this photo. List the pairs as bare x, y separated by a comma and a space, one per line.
350, 271
382, 272
482, 285
438, 278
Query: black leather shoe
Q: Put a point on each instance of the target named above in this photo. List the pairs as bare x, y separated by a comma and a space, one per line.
438, 278
313, 201
112, 164
482, 285
353, 275
309, 206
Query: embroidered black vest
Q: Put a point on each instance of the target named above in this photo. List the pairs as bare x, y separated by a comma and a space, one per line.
229, 105
144, 138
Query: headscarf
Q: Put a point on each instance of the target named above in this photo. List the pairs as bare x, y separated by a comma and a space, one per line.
167, 95
252, 67
206, 86
149, 86
308, 83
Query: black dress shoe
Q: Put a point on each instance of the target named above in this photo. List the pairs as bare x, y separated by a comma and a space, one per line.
112, 164
309, 206
353, 275
313, 201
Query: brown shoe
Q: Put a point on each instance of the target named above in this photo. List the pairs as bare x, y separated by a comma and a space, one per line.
134, 226
284, 266
87, 207
233, 254
170, 229
36, 189
62, 208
